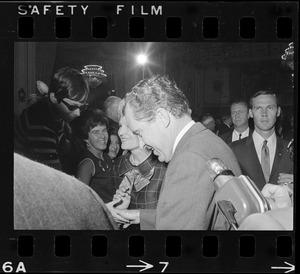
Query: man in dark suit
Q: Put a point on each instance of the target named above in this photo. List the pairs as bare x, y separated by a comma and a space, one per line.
263, 156
158, 112
240, 115
225, 125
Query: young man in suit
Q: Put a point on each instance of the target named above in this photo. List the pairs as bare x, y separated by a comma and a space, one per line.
240, 115
158, 111
263, 156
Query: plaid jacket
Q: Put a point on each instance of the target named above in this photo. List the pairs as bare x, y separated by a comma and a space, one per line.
146, 188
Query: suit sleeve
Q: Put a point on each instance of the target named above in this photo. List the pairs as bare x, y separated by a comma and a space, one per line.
186, 201
147, 219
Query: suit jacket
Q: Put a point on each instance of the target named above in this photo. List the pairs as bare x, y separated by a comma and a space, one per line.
186, 201
246, 155
223, 128
227, 137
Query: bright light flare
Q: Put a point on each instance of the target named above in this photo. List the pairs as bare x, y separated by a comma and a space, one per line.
142, 59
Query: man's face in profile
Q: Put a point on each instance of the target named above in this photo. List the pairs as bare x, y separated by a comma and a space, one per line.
153, 134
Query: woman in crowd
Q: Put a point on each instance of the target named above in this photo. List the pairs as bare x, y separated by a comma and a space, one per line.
114, 144
95, 166
138, 173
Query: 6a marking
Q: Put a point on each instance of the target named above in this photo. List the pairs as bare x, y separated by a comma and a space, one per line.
7, 267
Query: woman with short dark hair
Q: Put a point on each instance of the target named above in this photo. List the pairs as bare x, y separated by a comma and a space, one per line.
95, 165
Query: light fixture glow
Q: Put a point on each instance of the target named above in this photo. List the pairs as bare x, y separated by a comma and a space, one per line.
142, 59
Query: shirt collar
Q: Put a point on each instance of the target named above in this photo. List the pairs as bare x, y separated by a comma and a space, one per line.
245, 132
259, 139
181, 133
144, 168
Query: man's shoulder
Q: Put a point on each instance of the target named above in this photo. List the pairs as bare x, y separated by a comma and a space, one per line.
283, 141
241, 143
38, 112
226, 135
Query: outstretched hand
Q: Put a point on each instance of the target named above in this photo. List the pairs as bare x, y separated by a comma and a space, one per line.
133, 216
118, 218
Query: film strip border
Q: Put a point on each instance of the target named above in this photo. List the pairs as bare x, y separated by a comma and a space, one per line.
155, 21
173, 251
170, 251
99, 28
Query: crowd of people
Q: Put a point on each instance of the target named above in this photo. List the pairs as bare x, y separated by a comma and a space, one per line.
140, 162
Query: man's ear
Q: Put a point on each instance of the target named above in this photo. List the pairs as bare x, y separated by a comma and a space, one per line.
141, 142
53, 98
278, 111
164, 116
250, 113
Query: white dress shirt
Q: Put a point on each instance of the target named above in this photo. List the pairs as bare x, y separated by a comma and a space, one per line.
258, 143
181, 133
236, 135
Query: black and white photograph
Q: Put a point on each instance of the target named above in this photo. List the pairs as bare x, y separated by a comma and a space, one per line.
112, 115
152, 136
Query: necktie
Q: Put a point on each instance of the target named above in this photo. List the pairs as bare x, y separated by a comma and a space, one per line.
240, 136
265, 161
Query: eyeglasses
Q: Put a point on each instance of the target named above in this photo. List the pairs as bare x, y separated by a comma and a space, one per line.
73, 107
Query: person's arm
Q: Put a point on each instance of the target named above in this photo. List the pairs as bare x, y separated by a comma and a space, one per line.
185, 201
147, 219
285, 178
123, 193
144, 217
85, 171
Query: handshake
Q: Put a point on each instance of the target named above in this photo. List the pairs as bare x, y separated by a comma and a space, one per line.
118, 206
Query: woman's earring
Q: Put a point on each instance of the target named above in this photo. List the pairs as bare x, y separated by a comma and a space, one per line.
88, 144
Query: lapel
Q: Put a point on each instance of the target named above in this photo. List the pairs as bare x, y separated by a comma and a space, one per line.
252, 157
229, 138
278, 155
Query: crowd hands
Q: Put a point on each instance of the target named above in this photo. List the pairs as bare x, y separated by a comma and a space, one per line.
113, 139
118, 208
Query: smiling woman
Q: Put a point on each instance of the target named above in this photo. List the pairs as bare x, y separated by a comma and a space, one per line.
94, 165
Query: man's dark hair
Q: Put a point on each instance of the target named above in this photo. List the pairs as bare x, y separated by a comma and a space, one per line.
69, 83
263, 92
112, 131
88, 119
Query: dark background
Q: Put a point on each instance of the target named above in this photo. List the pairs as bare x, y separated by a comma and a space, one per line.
212, 75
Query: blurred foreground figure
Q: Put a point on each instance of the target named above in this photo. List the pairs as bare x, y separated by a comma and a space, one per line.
280, 218
47, 199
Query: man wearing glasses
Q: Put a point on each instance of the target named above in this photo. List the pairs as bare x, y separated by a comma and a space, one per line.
41, 130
